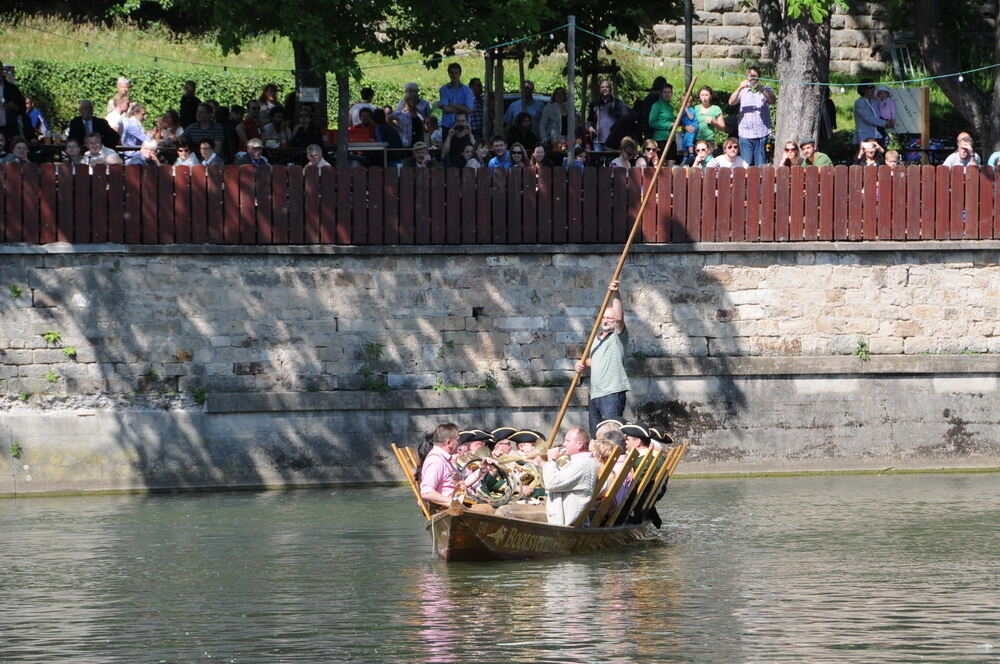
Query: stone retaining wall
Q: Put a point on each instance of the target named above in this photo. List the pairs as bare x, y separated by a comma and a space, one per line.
731, 345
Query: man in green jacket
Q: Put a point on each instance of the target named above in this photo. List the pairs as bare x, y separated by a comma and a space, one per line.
811, 156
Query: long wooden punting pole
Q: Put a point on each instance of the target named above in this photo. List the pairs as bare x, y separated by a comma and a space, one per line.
650, 191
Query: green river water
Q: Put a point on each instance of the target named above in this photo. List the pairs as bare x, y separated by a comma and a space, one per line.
897, 568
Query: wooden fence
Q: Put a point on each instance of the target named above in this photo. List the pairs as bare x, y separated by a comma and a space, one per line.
241, 205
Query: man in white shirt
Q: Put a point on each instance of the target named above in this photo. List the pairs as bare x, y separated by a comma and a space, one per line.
96, 152
730, 157
571, 487
964, 156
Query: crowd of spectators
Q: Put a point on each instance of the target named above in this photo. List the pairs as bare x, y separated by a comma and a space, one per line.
447, 130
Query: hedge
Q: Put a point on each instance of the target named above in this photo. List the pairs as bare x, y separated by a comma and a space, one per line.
57, 87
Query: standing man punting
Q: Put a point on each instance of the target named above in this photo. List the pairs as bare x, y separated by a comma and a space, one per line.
608, 381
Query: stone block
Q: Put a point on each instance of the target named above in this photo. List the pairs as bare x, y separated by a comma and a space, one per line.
729, 35
16, 357
50, 356
721, 6
521, 323
740, 18
664, 32
708, 18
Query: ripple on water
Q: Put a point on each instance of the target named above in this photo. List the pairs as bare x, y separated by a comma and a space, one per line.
837, 569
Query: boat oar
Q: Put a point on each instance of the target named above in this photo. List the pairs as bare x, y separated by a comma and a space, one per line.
650, 190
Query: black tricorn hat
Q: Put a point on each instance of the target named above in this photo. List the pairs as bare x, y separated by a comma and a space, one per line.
474, 434
503, 432
637, 430
526, 436
612, 420
660, 434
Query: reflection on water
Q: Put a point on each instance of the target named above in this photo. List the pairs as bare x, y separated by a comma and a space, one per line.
880, 569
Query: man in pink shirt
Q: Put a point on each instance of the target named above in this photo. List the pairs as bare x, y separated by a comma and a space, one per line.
438, 476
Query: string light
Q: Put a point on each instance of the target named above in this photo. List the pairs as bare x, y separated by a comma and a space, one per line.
960, 78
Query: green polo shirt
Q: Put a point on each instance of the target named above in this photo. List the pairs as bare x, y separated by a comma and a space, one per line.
607, 367
819, 159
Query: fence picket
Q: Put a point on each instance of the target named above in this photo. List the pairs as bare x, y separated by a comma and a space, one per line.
182, 205
29, 205
529, 206
359, 205
13, 229
544, 206
898, 203
928, 202
782, 207
279, 205
574, 197
797, 203
811, 204
515, 229
883, 204
753, 204
591, 198
376, 206
453, 204
724, 202
200, 212
437, 220
767, 203
48, 204
986, 175
468, 220
706, 220
942, 207
559, 229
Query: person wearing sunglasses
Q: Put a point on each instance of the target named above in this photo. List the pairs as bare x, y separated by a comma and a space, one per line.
649, 156
790, 155
186, 155
518, 158
730, 157
702, 155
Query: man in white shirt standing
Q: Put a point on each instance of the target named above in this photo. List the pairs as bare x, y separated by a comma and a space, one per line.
569, 488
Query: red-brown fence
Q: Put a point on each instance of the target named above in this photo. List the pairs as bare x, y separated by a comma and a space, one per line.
242, 205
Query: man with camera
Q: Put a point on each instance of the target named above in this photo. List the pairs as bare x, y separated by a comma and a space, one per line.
754, 126
456, 139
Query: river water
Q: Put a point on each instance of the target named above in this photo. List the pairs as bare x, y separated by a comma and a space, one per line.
817, 569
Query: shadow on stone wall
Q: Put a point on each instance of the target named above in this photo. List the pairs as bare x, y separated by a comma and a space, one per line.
698, 309
158, 333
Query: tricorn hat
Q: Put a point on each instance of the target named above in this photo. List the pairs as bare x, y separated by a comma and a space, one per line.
636, 429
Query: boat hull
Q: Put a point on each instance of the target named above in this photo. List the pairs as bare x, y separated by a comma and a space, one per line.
462, 535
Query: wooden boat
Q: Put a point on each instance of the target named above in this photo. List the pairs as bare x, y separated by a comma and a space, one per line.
459, 533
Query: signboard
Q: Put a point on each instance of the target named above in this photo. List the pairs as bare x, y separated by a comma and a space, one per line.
909, 110
308, 95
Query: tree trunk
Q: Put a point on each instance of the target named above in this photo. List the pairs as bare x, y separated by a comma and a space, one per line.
343, 116
981, 111
307, 77
800, 49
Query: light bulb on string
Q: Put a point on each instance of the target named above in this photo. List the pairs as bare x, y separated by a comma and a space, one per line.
843, 90
960, 78
661, 62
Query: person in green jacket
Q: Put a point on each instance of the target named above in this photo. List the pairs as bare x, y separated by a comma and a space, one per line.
661, 120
